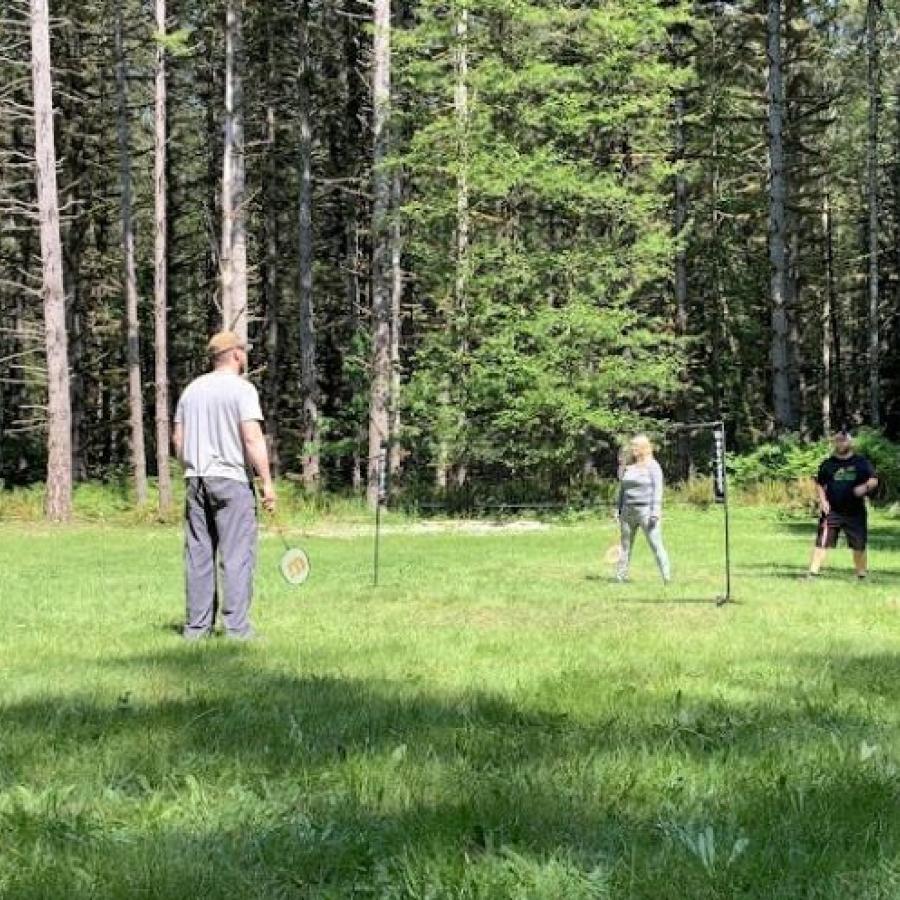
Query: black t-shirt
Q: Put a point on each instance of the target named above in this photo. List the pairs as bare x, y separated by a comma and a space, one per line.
839, 477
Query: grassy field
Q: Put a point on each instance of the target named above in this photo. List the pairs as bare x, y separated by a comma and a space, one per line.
495, 720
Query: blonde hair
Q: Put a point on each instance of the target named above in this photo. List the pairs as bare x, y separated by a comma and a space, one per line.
641, 441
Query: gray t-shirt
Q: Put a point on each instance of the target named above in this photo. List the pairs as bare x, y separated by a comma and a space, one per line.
210, 412
641, 485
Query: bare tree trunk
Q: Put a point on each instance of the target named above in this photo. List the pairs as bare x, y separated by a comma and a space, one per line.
135, 394
442, 463
681, 277
269, 275
356, 284
681, 211
873, 89
79, 352
895, 331
827, 313
214, 268
793, 298
457, 324
463, 221
59, 415
381, 287
354, 305
718, 292
234, 232
396, 321
160, 272
73, 232
780, 351
308, 370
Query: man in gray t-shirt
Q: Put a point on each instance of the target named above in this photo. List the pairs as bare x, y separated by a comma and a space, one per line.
219, 440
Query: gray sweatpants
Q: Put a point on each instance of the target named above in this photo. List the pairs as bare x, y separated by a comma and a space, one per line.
631, 519
219, 526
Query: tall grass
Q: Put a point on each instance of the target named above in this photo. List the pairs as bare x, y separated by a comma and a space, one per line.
773, 474
113, 502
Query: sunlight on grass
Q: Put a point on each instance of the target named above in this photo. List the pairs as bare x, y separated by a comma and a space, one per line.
496, 720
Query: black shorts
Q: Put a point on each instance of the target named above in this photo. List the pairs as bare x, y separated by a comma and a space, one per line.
831, 526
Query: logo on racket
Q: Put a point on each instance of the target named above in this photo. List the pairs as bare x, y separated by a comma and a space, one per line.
294, 566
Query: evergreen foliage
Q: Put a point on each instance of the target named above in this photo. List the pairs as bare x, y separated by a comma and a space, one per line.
556, 169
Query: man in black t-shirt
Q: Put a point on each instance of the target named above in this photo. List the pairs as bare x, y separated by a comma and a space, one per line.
843, 482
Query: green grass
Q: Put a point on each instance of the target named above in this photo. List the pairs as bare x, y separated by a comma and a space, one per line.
495, 720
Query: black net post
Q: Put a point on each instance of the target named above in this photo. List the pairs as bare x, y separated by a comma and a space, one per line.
721, 485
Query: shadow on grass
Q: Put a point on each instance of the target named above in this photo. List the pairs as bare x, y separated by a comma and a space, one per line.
838, 571
620, 593
663, 599
255, 783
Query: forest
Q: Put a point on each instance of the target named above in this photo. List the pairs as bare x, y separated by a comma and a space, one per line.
478, 240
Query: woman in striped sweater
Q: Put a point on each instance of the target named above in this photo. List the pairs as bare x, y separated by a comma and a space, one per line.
640, 506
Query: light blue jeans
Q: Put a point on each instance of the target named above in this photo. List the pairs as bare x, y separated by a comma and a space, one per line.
631, 519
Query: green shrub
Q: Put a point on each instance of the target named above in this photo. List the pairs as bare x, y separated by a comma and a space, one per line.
790, 462
886, 457
782, 461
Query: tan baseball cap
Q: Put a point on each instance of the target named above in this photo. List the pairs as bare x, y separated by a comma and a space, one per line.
224, 341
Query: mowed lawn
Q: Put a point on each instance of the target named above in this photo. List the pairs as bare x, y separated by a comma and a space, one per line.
495, 720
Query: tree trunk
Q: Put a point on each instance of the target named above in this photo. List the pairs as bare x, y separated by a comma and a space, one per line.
839, 413
76, 174
793, 308
381, 288
718, 292
827, 313
895, 331
873, 89
78, 340
135, 394
269, 274
354, 307
396, 322
780, 351
681, 278
160, 272
308, 370
215, 270
59, 416
463, 220
457, 323
234, 234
